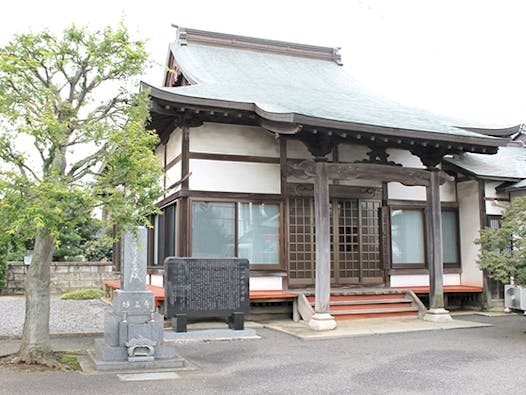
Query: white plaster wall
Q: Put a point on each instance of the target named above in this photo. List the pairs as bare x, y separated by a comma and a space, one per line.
225, 176
352, 152
156, 279
233, 139
267, 283
496, 207
493, 205
490, 191
397, 191
173, 175
448, 192
297, 150
405, 158
159, 153
422, 280
469, 219
174, 145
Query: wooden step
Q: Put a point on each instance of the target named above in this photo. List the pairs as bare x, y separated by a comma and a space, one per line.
375, 305
373, 297
366, 302
383, 314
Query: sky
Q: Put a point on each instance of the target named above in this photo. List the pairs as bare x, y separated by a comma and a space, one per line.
462, 58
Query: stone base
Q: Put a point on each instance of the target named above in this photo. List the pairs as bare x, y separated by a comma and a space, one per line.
322, 322
109, 358
127, 366
437, 315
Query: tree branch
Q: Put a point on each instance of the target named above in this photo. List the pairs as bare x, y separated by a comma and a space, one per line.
87, 162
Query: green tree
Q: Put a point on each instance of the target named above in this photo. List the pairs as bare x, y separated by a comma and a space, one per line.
73, 140
503, 250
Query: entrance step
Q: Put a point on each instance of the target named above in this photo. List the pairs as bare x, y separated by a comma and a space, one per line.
376, 303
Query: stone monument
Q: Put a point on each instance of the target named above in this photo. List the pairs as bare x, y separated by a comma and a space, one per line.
206, 287
133, 330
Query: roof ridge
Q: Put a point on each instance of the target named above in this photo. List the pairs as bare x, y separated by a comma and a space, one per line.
187, 35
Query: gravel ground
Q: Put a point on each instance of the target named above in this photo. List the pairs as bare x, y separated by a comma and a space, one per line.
67, 316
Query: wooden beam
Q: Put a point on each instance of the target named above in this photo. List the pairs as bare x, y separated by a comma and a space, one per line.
368, 171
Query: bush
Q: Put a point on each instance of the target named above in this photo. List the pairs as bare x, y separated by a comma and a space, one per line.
503, 250
83, 294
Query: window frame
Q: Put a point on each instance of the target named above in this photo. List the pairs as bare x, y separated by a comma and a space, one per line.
458, 264
421, 206
253, 266
422, 265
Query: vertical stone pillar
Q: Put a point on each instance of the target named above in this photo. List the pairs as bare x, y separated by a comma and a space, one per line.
436, 311
322, 319
133, 330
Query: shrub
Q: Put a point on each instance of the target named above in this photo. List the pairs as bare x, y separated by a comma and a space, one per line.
83, 294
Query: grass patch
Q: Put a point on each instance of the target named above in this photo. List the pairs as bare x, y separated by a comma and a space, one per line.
83, 294
70, 362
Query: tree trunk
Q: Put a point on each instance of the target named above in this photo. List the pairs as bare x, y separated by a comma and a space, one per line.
35, 345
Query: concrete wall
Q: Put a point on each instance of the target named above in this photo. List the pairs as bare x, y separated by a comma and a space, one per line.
65, 276
469, 218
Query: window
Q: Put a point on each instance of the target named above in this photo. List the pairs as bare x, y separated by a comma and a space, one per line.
213, 229
408, 234
258, 233
407, 237
450, 238
163, 237
245, 230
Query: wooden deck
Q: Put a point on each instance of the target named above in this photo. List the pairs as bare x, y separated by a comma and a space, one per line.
255, 296
420, 290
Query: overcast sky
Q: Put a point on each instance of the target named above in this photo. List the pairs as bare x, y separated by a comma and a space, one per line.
460, 58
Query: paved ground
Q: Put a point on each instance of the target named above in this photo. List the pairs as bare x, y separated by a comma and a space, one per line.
476, 360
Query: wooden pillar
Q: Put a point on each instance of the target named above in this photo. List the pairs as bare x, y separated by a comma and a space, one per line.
322, 320
436, 310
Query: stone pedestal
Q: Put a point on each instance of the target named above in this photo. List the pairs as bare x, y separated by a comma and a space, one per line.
437, 315
322, 322
133, 331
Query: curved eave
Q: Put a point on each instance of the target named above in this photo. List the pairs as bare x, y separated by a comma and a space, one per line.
490, 142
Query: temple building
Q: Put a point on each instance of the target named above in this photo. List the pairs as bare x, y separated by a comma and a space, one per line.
274, 153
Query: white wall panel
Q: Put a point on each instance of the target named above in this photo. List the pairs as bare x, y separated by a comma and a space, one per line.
422, 280
297, 150
267, 283
409, 280
448, 192
159, 153
398, 191
234, 140
225, 176
352, 153
173, 175
469, 218
174, 145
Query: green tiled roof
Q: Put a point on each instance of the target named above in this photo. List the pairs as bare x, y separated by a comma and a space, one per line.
288, 87
509, 163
